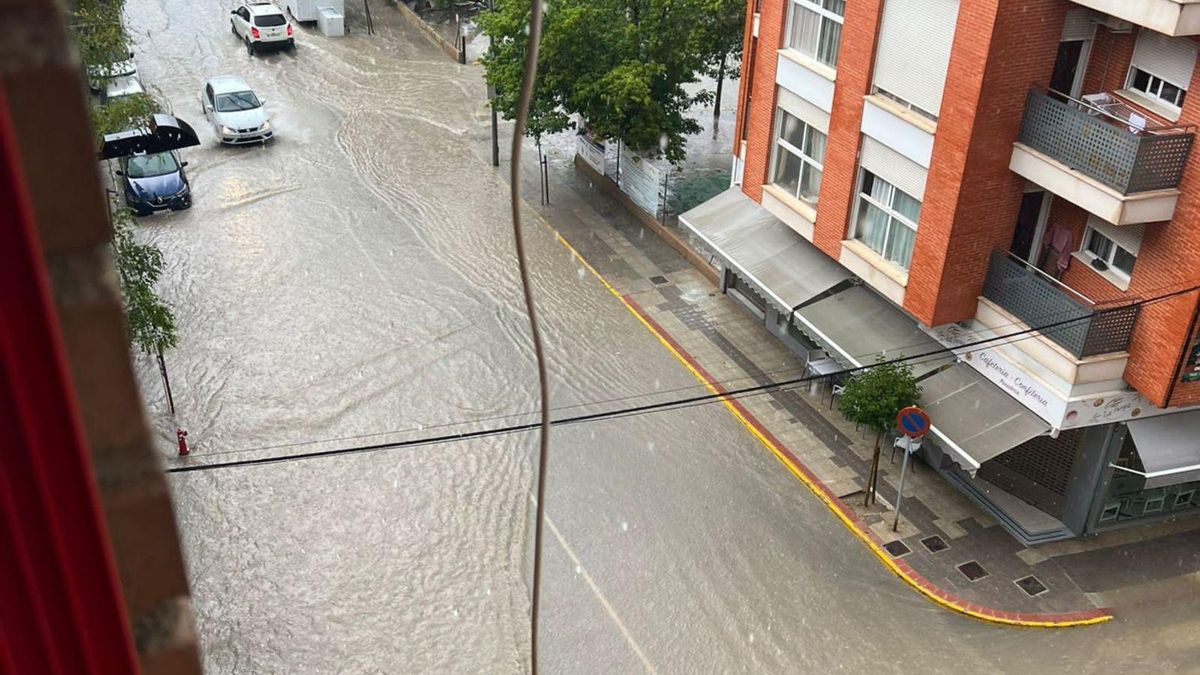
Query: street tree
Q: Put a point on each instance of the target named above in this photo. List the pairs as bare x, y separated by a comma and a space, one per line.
619, 65
872, 399
139, 266
719, 39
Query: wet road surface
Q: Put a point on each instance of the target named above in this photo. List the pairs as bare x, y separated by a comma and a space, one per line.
353, 282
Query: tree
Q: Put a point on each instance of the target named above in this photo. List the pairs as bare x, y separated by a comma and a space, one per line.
620, 65
872, 399
719, 40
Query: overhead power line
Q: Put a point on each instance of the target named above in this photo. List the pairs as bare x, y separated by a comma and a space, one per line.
645, 408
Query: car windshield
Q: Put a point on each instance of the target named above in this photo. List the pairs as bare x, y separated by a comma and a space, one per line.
242, 100
268, 20
145, 166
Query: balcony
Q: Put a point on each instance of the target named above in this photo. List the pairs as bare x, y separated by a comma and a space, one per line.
1169, 17
1038, 299
1102, 156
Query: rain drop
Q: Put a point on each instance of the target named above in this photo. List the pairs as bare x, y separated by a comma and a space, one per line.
624, 526
752, 638
579, 569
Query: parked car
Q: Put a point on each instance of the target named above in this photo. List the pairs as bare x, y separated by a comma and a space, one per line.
154, 182
235, 111
121, 87
99, 75
261, 24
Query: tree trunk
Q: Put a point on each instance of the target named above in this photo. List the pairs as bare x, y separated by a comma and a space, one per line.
873, 475
720, 85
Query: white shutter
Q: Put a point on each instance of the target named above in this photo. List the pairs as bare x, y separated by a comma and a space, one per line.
1172, 59
1078, 25
893, 167
914, 50
1128, 237
803, 110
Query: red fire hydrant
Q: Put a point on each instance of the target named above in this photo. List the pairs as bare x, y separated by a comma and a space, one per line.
182, 436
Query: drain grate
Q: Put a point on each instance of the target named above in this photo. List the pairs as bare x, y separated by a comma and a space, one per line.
897, 549
658, 280
972, 570
1032, 586
934, 544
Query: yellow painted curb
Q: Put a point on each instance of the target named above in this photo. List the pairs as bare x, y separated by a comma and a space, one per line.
801, 474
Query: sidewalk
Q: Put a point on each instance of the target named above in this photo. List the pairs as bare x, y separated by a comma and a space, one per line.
1063, 583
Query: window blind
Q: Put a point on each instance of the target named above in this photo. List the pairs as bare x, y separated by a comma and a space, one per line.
1172, 59
1128, 237
914, 50
1078, 25
811, 114
893, 167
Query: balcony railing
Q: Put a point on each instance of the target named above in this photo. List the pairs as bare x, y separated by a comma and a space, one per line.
1081, 327
1097, 144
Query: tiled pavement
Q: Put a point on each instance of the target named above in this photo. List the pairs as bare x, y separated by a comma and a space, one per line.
736, 350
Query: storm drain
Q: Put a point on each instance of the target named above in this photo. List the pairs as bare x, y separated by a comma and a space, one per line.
897, 549
1032, 586
972, 570
934, 544
658, 280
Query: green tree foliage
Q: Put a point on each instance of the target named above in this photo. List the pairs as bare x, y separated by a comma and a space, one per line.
620, 65
97, 31
139, 266
719, 37
132, 112
873, 398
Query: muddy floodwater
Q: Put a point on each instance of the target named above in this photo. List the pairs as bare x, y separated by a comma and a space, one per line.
353, 282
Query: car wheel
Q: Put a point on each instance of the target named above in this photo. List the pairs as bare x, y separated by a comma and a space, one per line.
292, 45
249, 47
233, 28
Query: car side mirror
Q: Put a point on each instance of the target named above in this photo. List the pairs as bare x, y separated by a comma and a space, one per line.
183, 164
131, 54
262, 102
234, 11
120, 172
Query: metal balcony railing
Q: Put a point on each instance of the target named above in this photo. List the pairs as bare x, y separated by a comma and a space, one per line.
1105, 147
1040, 300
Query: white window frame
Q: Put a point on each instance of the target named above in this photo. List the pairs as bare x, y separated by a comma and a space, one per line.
826, 15
904, 103
893, 215
781, 144
1154, 88
1086, 251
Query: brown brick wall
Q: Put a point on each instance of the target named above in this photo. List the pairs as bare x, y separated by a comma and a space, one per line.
773, 14
971, 197
1109, 61
745, 79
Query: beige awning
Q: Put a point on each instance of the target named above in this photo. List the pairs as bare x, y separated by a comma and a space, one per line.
783, 266
974, 419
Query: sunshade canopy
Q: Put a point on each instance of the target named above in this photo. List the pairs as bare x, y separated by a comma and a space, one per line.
1169, 446
165, 133
975, 419
782, 265
857, 326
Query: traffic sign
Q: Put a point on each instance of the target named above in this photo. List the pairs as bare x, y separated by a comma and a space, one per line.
912, 422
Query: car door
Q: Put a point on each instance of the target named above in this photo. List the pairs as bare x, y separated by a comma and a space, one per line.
241, 20
209, 104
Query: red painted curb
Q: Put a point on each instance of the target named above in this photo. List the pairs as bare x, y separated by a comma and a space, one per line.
951, 600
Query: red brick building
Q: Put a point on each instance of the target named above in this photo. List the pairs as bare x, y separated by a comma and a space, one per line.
1010, 179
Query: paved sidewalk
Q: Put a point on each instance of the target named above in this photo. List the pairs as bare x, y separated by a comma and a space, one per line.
940, 529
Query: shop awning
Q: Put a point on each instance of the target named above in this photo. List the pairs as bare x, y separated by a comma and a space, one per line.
856, 326
1169, 446
973, 419
760, 248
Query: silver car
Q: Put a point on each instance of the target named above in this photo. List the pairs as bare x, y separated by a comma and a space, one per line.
235, 111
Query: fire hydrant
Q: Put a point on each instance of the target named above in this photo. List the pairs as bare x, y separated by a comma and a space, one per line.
182, 436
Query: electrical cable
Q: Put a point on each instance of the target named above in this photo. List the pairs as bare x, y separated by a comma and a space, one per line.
528, 77
652, 407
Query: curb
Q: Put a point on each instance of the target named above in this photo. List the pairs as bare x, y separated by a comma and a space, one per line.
415, 20
844, 514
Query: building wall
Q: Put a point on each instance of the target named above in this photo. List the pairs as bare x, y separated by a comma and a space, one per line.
772, 15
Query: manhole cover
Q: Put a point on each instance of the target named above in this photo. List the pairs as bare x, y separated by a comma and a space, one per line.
1031, 585
934, 544
658, 279
972, 570
897, 548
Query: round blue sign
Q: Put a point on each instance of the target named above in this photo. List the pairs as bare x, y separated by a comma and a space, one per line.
913, 422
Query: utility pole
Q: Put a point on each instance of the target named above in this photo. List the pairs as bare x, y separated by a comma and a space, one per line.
492, 102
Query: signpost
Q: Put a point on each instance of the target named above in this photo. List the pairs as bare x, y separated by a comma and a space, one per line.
914, 424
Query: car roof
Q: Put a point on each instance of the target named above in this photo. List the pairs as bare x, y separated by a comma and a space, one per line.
228, 83
260, 8
124, 85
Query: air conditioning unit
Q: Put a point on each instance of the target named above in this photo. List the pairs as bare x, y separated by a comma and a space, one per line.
1113, 23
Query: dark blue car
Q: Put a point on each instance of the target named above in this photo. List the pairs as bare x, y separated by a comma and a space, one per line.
155, 182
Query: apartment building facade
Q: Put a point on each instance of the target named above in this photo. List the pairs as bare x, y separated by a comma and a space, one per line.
1010, 179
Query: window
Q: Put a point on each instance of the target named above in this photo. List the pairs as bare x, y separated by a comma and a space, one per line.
799, 158
887, 219
1156, 87
1119, 259
907, 104
815, 29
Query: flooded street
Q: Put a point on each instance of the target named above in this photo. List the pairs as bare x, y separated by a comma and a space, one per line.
352, 283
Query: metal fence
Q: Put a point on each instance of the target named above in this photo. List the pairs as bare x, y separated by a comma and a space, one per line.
1102, 147
1039, 300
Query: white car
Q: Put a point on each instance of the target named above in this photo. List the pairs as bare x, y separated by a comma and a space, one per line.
120, 88
261, 24
99, 75
235, 111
